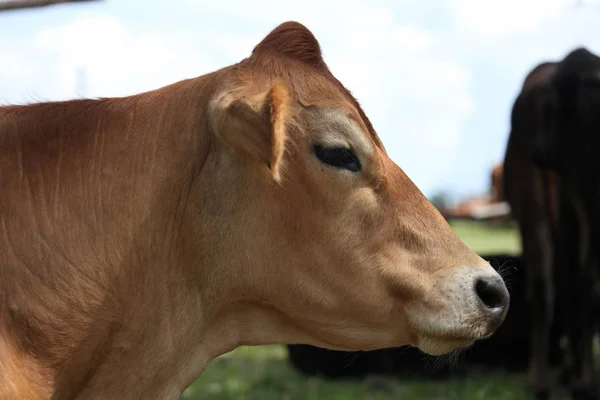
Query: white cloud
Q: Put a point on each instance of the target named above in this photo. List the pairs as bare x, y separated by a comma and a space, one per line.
410, 37
498, 19
118, 61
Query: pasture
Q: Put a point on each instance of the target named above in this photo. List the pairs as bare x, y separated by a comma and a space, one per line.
264, 372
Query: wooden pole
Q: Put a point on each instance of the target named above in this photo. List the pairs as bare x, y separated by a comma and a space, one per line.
9, 5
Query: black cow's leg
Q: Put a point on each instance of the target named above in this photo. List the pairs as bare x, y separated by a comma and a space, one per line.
584, 379
565, 375
541, 323
583, 384
582, 326
565, 253
541, 302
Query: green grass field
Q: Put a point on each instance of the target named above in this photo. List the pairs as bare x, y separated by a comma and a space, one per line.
485, 240
264, 373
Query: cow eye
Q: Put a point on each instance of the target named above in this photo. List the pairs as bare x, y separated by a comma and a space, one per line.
339, 157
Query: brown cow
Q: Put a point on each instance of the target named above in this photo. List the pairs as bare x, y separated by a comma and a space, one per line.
141, 237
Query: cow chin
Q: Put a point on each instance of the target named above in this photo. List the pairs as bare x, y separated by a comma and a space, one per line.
440, 346
441, 336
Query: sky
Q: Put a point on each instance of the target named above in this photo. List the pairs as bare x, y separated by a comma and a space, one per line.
437, 78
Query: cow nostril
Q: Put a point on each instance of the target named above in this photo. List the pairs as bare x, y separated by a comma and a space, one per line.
492, 294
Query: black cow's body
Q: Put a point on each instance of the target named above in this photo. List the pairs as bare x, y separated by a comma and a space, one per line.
569, 147
556, 224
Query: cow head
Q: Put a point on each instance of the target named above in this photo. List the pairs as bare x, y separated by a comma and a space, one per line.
317, 230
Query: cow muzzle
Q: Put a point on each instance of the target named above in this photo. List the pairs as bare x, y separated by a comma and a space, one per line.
463, 305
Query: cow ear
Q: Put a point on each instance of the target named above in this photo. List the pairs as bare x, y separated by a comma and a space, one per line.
294, 40
256, 126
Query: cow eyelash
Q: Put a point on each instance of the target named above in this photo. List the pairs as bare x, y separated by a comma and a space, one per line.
339, 157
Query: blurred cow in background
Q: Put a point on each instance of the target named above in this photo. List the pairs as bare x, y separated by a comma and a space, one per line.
567, 145
552, 186
497, 183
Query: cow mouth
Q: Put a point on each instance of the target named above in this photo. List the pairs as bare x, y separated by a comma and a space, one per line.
440, 337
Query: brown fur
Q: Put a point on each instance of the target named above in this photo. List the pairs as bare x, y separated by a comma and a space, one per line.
143, 236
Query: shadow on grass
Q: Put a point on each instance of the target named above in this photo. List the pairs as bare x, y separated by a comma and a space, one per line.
265, 374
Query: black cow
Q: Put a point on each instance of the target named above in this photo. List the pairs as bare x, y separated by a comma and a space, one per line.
534, 201
555, 234
568, 145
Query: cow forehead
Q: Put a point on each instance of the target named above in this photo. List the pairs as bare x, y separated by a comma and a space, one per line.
339, 126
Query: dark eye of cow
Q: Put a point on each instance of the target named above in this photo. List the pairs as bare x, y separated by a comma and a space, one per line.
339, 157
